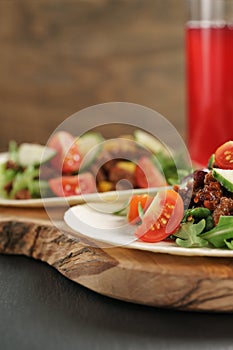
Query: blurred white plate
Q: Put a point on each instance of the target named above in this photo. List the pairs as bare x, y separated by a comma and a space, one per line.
110, 196
92, 221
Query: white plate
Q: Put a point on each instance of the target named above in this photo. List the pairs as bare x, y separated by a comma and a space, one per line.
114, 230
110, 196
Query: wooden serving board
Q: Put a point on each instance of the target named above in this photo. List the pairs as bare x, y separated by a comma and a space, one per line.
161, 280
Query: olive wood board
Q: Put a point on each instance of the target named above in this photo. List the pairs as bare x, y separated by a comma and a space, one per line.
160, 280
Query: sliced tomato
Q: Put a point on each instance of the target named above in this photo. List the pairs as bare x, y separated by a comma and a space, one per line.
64, 186
224, 156
162, 218
68, 158
145, 201
147, 175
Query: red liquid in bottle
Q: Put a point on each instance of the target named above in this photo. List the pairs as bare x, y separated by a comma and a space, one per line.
210, 89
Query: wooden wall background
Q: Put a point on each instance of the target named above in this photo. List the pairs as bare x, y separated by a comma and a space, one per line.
59, 56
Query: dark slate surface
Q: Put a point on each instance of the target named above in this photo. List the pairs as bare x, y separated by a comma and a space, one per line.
41, 309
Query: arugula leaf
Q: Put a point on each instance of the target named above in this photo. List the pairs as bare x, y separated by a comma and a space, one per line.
229, 244
221, 233
188, 235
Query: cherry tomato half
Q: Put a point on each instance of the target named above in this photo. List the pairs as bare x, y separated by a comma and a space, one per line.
73, 185
224, 156
162, 218
145, 201
147, 175
68, 158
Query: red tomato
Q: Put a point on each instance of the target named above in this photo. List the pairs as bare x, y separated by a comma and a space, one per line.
68, 159
147, 175
162, 218
145, 201
73, 185
224, 156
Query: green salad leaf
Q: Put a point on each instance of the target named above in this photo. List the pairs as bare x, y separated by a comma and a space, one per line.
222, 234
172, 171
6, 176
229, 244
188, 236
196, 213
24, 180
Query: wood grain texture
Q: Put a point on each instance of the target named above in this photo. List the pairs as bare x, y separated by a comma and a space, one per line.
161, 280
60, 56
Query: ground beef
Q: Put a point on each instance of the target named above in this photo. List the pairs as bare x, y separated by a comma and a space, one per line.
98, 173
8, 187
12, 165
190, 187
125, 148
225, 208
209, 178
209, 196
206, 191
110, 164
23, 194
117, 174
198, 179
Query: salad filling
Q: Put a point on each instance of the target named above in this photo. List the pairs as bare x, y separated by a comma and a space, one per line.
70, 166
202, 203
197, 212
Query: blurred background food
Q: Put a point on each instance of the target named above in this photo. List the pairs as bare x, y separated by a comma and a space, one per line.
59, 56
